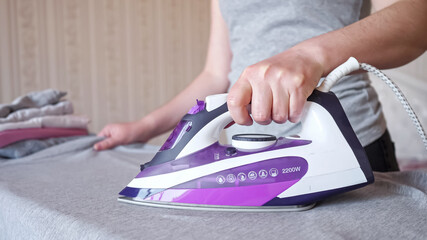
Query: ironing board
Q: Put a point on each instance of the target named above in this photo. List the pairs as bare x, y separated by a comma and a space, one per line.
69, 192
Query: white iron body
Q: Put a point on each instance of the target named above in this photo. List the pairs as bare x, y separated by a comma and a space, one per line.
195, 171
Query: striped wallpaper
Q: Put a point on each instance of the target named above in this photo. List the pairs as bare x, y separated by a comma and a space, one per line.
120, 59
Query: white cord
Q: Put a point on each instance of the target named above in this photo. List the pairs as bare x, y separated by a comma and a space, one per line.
348, 67
400, 97
352, 65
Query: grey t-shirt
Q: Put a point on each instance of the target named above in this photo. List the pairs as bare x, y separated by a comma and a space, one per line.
259, 29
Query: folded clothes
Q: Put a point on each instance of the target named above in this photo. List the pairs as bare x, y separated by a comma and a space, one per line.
27, 147
11, 136
65, 121
61, 108
32, 100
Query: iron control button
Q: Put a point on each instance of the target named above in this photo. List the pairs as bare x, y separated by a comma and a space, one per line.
230, 151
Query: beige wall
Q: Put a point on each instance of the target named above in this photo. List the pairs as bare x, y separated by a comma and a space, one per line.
120, 59
412, 80
117, 59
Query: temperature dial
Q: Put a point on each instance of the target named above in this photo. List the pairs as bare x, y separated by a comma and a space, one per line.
252, 142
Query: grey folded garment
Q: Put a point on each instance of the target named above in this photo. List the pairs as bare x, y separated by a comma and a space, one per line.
27, 147
61, 108
65, 121
32, 100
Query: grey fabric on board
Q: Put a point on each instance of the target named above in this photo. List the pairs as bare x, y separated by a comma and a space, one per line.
32, 100
60, 108
70, 191
27, 147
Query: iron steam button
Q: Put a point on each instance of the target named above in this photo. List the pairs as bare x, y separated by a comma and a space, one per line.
188, 128
230, 151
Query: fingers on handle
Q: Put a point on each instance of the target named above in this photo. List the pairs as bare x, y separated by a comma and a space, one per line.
237, 100
296, 106
261, 103
280, 106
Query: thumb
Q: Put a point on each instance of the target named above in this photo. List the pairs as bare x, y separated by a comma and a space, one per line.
105, 144
105, 132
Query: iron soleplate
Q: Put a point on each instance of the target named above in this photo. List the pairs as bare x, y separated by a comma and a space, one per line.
293, 208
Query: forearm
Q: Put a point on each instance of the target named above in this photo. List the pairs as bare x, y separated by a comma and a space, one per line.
389, 38
166, 117
212, 80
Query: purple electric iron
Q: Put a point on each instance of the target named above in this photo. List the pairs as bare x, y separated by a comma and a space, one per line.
257, 172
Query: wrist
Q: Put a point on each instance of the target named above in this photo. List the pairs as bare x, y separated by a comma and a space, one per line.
145, 128
317, 52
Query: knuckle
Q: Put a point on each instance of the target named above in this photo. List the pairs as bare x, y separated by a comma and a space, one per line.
294, 116
239, 119
107, 142
101, 145
293, 120
232, 101
275, 69
298, 80
293, 112
279, 118
256, 72
261, 118
248, 72
251, 69
274, 74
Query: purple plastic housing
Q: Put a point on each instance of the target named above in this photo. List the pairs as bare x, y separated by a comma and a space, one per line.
256, 195
268, 171
200, 105
248, 185
215, 152
182, 127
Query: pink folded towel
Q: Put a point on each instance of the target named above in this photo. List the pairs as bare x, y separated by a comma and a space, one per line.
10, 136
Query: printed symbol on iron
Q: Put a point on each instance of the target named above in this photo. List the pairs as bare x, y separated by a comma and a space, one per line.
216, 156
220, 179
231, 178
241, 176
274, 172
252, 175
263, 173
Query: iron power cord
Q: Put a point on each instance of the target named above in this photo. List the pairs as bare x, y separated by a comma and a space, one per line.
352, 65
400, 96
